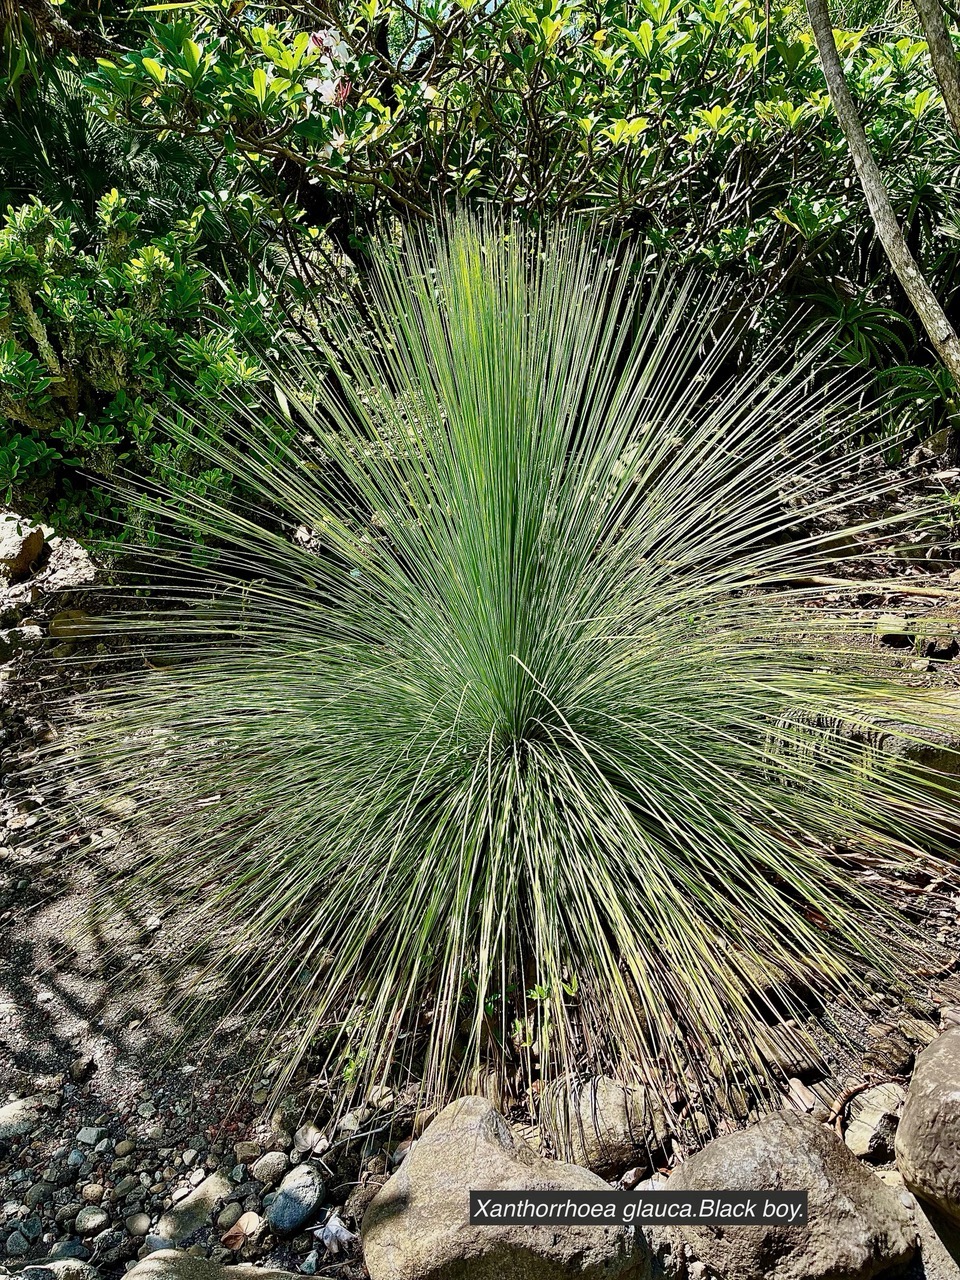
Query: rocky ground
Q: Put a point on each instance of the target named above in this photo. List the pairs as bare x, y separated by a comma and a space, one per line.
121, 1139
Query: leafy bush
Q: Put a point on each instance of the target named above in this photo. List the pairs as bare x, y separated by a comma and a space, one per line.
90, 337
702, 128
520, 751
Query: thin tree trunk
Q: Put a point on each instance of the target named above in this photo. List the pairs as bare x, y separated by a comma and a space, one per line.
943, 56
933, 317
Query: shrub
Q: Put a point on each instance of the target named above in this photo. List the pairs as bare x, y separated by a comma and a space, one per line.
526, 750
91, 337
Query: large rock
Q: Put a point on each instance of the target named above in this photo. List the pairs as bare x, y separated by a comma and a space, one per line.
172, 1264
856, 1228
608, 1125
928, 1137
938, 1237
194, 1210
417, 1227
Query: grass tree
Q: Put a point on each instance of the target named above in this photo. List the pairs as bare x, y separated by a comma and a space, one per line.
523, 741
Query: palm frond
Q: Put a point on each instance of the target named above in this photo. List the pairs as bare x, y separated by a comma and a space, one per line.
495, 751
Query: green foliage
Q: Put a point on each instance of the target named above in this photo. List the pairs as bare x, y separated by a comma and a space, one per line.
92, 337
54, 146
508, 752
701, 127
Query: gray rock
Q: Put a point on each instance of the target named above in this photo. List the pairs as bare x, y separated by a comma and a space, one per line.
20, 1118
228, 1216
271, 1167
195, 1209
607, 1125
90, 1135
874, 1116
138, 1224
172, 1264
18, 1246
857, 1227
60, 1269
928, 1137
92, 1219
939, 1238
68, 1250
416, 1228
298, 1198
156, 1244
39, 1193
112, 1246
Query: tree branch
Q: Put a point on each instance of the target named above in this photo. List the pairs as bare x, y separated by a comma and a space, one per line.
49, 23
943, 56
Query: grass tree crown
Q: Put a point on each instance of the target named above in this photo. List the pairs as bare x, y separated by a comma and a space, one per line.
517, 743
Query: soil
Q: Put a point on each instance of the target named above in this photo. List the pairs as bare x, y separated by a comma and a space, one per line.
112, 1056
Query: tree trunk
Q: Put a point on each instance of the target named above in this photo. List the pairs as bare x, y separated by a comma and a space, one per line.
933, 317
943, 56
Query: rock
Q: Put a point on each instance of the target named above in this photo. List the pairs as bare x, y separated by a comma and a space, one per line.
39, 1193
928, 1136
917, 1030
172, 1264
154, 1244
90, 1135
82, 1069
890, 1055
608, 1125
112, 1246
195, 1210
124, 1148
789, 1049
895, 630
246, 1152
17, 1119
939, 1238
416, 1228
271, 1167
92, 1193
857, 1227
92, 1219
138, 1224
299, 1196
60, 1269
231, 1214
69, 1249
18, 1246
20, 544
874, 1116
